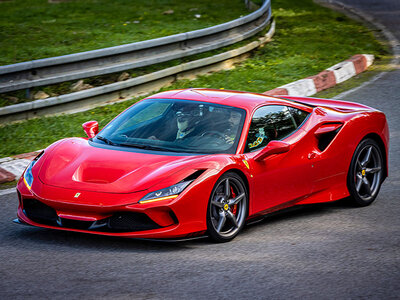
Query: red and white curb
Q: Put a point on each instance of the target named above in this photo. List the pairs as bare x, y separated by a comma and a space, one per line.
11, 168
326, 79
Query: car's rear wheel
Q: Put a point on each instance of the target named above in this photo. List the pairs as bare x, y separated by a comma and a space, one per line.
366, 173
227, 208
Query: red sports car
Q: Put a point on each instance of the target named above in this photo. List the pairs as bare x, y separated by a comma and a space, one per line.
186, 163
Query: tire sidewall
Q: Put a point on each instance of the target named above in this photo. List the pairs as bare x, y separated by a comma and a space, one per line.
214, 235
356, 199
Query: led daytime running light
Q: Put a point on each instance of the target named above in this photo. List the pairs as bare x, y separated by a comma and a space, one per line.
168, 193
158, 199
27, 185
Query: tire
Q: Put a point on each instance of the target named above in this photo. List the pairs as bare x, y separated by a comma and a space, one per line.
365, 174
227, 208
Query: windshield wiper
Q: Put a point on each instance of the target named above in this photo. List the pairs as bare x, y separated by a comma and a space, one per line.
107, 141
147, 147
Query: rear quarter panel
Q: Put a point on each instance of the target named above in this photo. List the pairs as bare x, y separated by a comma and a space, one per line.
332, 164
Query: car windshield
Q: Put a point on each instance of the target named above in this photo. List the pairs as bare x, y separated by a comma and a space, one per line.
177, 126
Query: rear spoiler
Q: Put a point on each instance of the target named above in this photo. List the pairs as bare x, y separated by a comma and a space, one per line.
344, 106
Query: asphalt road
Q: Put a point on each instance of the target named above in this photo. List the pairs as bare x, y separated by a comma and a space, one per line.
320, 252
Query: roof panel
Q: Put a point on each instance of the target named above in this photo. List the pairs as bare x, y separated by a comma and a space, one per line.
233, 98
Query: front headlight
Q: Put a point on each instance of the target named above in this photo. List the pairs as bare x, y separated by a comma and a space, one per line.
28, 177
166, 194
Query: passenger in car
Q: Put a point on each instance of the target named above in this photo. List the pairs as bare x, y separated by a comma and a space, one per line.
234, 122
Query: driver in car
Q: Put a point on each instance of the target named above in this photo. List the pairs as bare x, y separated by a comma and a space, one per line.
186, 122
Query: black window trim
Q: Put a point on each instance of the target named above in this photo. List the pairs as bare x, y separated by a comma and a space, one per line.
301, 125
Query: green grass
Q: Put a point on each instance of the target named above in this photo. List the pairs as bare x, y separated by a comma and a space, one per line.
309, 38
34, 29
8, 185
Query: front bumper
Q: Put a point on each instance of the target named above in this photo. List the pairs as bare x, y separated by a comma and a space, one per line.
108, 214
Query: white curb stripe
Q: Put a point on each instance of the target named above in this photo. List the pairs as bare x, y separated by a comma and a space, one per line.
348, 92
370, 59
4, 159
16, 167
302, 87
343, 71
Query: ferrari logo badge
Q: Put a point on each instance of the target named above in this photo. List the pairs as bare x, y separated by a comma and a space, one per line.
77, 195
363, 172
246, 163
226, 206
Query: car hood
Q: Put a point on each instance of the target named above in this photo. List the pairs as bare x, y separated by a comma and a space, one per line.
75, 164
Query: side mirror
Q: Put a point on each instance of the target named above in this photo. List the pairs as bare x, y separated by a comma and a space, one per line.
273, 147
91, 128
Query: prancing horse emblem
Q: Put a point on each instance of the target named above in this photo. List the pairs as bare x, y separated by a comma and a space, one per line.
77, 195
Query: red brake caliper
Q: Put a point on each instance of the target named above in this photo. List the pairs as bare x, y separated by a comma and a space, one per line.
234, 208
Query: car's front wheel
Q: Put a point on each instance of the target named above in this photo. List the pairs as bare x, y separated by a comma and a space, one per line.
227, 208
366, 172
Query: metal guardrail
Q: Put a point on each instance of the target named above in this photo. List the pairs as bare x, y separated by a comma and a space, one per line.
115, 59
115, 91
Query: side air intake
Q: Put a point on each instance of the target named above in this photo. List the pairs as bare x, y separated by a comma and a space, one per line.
326, 133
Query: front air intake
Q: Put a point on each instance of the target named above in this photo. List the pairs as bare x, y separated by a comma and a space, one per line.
130, 221
39, 212
119, 222
74, 224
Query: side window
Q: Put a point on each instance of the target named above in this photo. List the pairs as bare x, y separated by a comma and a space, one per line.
298, 115
272, 122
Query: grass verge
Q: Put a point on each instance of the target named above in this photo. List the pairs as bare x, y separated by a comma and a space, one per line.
8, 185
34, 29
309, 38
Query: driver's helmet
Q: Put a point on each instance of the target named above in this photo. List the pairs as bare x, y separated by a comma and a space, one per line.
189, 116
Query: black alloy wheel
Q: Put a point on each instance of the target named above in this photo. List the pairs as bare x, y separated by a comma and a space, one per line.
227, 208
366, 173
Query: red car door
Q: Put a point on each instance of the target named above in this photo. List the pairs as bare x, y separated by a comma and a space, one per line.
280, 179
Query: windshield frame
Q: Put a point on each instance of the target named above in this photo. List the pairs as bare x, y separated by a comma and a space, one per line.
157, 147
